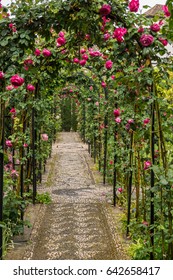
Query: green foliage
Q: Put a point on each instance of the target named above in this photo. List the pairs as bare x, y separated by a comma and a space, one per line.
44, 198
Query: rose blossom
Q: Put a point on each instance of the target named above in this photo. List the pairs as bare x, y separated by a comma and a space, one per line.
16, 80
119, 33
118, 120
85, 56
130, 121
147, 164
117, 112
10, 87
30, 87
46, 53
146, 40
60, 41
134, 5
82, 51
25, 145
13, 111
1, 75
146, 121
106, 36
61, 34
140, 29
103, 84
120, 190
155, 27
44, 137
75, 60
37, 52
8, 143
82, 62
87, 37
163, 41
105, 9
108, 64
166, 11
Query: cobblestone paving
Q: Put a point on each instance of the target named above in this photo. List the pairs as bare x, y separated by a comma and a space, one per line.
74, 225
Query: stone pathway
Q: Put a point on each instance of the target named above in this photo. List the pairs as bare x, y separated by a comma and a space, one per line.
74, 226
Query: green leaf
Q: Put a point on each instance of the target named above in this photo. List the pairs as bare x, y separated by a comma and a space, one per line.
4, 43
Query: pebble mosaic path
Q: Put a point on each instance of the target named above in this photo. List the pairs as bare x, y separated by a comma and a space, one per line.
74, 226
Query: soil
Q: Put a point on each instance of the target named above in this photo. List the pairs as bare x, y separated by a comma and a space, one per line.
80, 223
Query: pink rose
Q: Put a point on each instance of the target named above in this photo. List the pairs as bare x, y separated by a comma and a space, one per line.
105, 9
46, 53
76, 60
117, 112
87, 37
103, 84
85, 56
30, 87
140, 29
16, 80
94, 53
130, 121
147, 164
61, 34
118, 120
146, 40
163, 41
106, 36
60, 41
113, 77
134, 5
146, 121
44, 137
1, 75
155, 27
119, 33
13, 111
166, 11
8, 143
82, 51
25, 145
28, 61
108, 64
10, 87
37, 52
120, 190
91, 87
82, 62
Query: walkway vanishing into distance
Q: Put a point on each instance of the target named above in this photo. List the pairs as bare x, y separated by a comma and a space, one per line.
79, 223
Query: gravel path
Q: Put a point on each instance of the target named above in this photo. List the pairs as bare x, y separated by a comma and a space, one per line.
75, 225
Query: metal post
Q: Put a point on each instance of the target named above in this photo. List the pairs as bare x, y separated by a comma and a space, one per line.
105, 139
33, 156
115, 172
129, 191
1, 175
152, 183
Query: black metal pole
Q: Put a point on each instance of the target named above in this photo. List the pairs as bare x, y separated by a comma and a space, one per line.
115, 171
129, 190
21, 181
152, 183
105, 139
33, 156
1, 175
